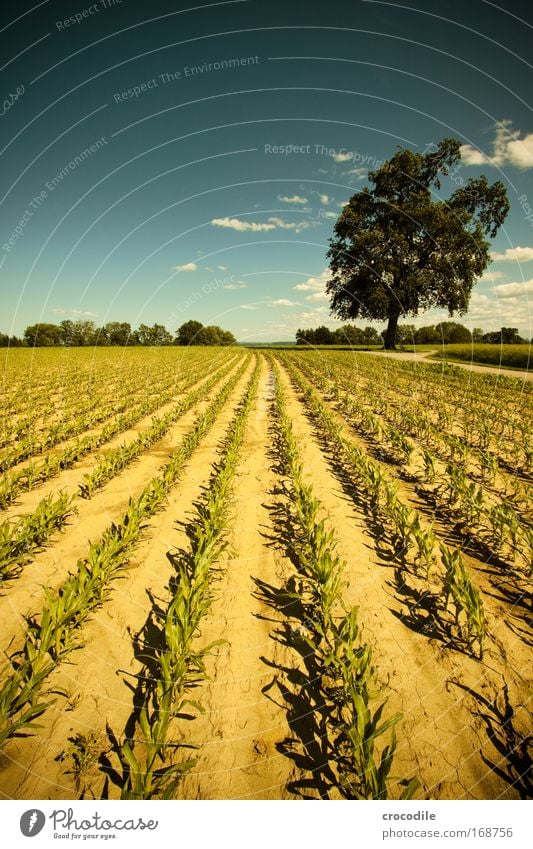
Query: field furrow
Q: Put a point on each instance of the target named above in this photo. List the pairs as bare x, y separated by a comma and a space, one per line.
292, 574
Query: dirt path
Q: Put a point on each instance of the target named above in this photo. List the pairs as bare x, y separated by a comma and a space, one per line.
425, 357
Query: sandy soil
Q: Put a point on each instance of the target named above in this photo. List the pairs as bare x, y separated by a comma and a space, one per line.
261, 734
95, 677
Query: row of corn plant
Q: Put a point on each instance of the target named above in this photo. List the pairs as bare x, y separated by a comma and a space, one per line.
52, 635
408, 531
421, 405
79, 407
59, 431
342, 660
496, 525
411, 417
36, 472
83, 406
179, 666
20, 540
116, 459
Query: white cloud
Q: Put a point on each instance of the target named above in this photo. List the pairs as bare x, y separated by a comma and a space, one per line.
342, 157
314, 317
283, 302
78, 313
314, 284
273, 223
188, 266
324, 199
241, 226
328, 213
514, 290
360, 173
471, 156
222, 267
290, 225
239, 285
490, 276
293, 199
491, 312
247, 307
507, 149
512, 254
318, 296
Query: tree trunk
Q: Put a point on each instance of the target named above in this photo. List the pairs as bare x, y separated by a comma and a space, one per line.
390, 335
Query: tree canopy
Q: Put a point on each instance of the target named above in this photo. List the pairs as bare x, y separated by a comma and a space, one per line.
398, 251
348, 334
81, 333
194, 333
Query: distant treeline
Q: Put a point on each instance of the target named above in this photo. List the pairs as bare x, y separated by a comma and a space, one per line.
349, 334
447, 333
73, 334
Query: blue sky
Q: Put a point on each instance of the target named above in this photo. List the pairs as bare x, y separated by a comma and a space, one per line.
173, 161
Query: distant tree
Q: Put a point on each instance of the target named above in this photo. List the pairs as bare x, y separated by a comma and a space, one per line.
11, 341
504, 336
352, 335
477, 334
406, 334
305, 337
119, 332
371, 336
101, 337
67, 329
349, 334
143, 335
155, 335
194, 333
209, 335
227, 338
78, 333
427, 335
398, 251
511, 336
187, 334
324, 336
451, 332
43, 335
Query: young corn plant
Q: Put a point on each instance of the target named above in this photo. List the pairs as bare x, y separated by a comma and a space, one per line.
49, 639
458, 589
180, 667
36, 472
347, 676
115, 460
20, 540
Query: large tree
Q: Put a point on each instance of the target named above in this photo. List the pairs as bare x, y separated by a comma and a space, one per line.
187, 334
398, 249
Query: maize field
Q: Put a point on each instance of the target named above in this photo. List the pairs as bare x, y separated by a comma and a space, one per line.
263, 574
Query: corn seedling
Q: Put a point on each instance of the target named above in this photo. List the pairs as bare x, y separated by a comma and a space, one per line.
458, 589
180, 668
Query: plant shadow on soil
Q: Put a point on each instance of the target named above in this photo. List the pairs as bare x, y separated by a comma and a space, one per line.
514, 767
296, 689
149, 643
